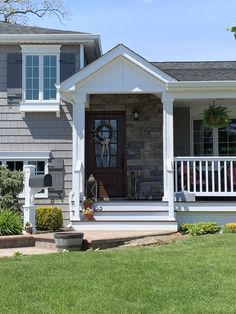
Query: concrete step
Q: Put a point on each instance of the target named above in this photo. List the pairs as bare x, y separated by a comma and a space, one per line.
130, 215
131, 206
149, 225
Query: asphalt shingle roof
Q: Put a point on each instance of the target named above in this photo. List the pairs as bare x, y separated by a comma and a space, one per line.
199, 71
6, 28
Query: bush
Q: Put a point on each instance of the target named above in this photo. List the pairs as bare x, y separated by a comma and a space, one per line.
230, 228
49, 218
200, 228
10, 223
11, 184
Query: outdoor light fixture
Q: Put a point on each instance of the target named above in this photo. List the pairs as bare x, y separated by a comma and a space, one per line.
136, 114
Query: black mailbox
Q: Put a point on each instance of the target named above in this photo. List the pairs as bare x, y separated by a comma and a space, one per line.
40, 181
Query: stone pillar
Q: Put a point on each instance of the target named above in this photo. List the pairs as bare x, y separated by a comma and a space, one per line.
29, 208
168, 151
78, 178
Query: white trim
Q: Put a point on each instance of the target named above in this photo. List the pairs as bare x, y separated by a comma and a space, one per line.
40, 49
118, 51
32, 155
40, 105
51, 38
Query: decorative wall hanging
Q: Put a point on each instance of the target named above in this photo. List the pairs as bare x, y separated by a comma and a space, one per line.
216, 116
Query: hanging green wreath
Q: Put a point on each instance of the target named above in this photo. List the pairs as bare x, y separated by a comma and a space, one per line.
216, 116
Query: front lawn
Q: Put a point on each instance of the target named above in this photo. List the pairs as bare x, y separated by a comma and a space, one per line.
193, 276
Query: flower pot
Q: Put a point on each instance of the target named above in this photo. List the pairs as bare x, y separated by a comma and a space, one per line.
88, 217
71, 241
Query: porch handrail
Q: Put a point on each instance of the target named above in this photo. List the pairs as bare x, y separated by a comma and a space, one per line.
206, 175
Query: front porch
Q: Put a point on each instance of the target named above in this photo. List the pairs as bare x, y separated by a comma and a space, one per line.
169, 131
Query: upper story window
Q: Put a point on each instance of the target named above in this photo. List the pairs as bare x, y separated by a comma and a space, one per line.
41, 73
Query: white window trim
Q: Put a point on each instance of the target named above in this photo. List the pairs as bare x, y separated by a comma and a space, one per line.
26, 157
40, 105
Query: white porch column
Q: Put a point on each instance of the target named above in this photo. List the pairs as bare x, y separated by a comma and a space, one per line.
168, 151
80, 101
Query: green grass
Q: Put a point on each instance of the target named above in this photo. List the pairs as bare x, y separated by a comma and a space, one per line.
193, 276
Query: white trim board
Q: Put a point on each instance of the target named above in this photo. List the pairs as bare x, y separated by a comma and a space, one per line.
118, 51
32, 155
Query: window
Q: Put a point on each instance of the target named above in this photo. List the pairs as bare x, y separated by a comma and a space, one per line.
202, 139
227, 140
32, 78
219, 142
17, 160
41, 73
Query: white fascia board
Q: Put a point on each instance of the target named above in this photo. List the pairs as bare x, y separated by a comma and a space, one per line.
30, 38
28, 155
118, 51
201, 85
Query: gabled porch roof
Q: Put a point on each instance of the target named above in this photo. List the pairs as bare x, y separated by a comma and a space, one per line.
119, 70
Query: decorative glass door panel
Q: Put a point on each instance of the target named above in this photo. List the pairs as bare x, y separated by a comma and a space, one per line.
105, 152
105, 140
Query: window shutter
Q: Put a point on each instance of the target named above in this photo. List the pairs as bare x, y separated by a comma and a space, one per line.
67, 65
14, 70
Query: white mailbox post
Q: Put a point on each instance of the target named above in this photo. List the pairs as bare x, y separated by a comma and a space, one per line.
29, 207
33, 184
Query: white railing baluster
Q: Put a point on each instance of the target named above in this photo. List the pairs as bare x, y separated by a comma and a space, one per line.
219, 176
194, 176
225, 177
213, 175
188, 177
200, 175
231, 177
176, 175
182, 175
206, 175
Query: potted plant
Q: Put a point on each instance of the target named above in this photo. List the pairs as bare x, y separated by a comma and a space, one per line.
88, 203
88, 214
216, 116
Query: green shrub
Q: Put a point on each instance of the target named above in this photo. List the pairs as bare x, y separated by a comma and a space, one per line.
49, 218
230, 228
10, 222
11, 184
200, 228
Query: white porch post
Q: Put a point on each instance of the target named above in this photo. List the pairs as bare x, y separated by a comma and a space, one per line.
168, 151
80, 101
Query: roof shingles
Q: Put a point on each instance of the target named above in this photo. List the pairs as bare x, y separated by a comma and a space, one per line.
6, 28
199, 71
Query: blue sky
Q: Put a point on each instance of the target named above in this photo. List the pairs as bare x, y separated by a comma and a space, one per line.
159, 30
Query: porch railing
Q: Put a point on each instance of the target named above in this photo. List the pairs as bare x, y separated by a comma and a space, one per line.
206, 176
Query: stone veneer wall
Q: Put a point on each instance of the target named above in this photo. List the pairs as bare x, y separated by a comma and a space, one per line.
143, 137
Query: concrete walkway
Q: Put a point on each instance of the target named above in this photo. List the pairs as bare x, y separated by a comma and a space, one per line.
92, 239
26, 251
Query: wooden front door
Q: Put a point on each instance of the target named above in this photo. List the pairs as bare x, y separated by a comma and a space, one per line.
105, 154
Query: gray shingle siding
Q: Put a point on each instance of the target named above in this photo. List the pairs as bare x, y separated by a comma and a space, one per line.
37, 131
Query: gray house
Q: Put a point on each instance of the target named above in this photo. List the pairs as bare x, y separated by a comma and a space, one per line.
135, 125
